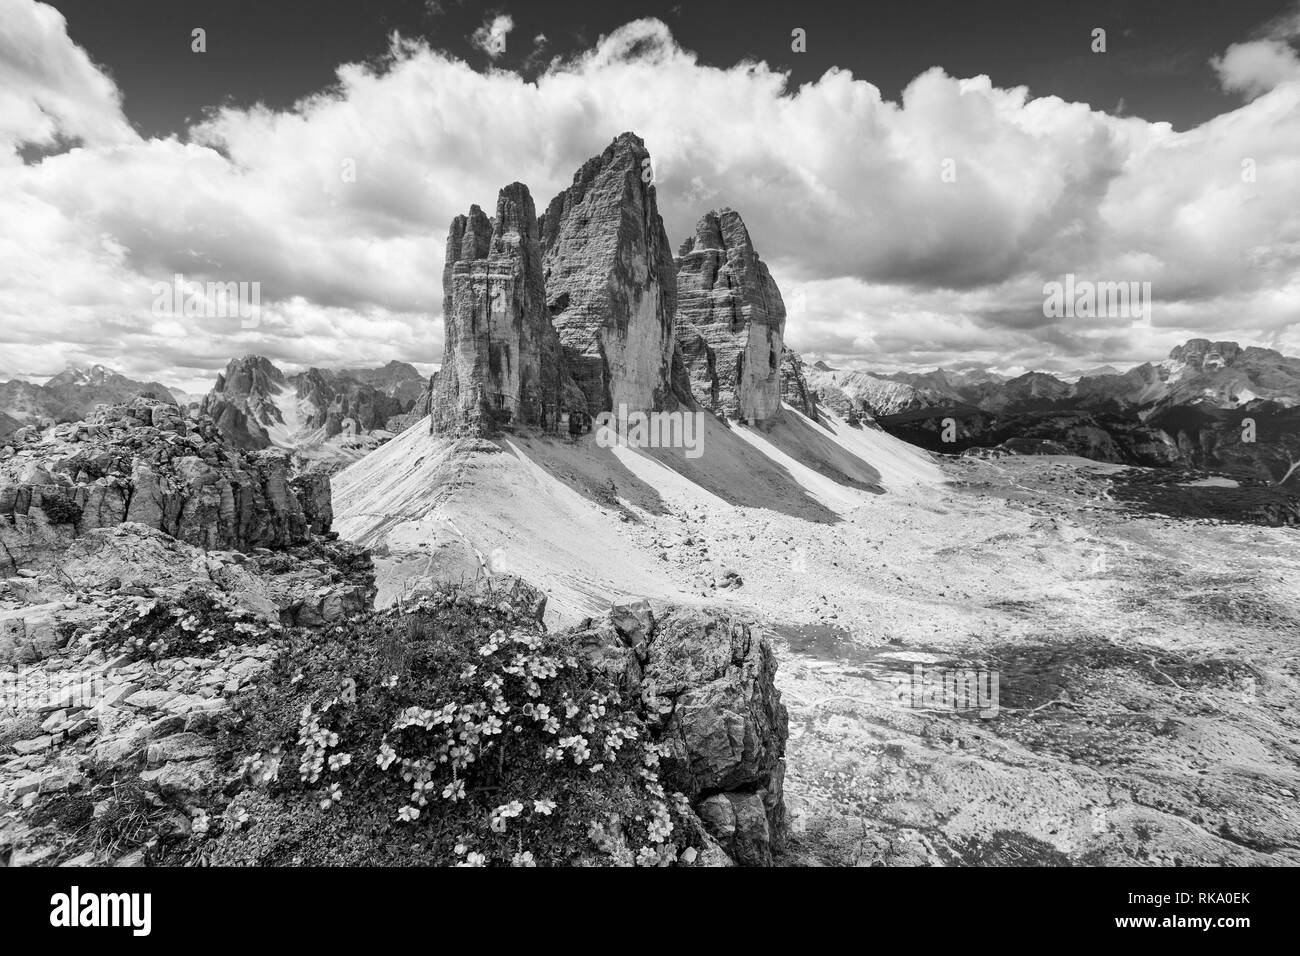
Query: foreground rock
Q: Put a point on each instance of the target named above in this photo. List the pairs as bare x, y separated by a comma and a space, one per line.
145, 463
644, 739
730, 320
708, 686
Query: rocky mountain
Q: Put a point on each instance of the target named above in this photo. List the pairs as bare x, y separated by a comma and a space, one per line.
502, 361
730, 320
250, 402
326, 417
176, 605
72, 394
1222, 374
610, 281
795, 390
399, 380
423, 407
550, 321
866, 394
1209, 405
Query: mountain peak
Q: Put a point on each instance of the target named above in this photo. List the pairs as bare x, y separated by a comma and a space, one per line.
1202, 353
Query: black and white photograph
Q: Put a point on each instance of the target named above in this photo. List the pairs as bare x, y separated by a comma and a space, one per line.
653, 435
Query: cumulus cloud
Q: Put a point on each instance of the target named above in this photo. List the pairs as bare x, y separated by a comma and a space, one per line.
49, 88
491, 36
907, 233
1267, 61
1257, 66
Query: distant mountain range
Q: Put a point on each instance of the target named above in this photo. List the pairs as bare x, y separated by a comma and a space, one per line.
1209, 405
69, 396
327, 417
324, 415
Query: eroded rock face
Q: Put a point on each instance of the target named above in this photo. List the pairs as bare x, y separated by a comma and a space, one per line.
708, 683
255, 405
730, 320
794, 386
422, 407
502, 362
610, 281
242, 403
335, 402
143, 462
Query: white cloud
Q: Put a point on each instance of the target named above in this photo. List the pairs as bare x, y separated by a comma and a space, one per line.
491, 36
1257, 66
842, 190
49, 89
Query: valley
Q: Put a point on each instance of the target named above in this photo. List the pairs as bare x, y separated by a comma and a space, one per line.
1147, 665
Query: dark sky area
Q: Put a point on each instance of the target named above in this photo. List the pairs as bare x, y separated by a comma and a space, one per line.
276, 51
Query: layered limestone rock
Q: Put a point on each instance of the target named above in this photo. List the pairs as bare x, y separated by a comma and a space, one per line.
255, 405
611, 283
243, 403
336, 402
502, 362
422, 407
730, 320
794, 386
708, 686
145, 463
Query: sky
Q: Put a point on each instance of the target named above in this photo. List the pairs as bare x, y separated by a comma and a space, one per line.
914, 175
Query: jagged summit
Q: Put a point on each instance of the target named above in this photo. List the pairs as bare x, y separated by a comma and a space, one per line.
502, 363
730, 320
610, 281
552, 320
325, 416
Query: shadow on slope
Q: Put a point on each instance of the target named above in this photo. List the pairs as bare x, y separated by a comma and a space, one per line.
568, 515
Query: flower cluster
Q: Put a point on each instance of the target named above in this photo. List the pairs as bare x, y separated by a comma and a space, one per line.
315, 741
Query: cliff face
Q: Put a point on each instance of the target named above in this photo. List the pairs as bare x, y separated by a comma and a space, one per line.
730, 320
243, 402
502, 361
610, 281
145, 463
794, 386
336, 402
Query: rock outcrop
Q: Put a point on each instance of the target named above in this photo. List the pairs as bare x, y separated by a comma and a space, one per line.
243, 403
143, 462
730, 320
794, 385
611, 283
707, 682
502, 362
